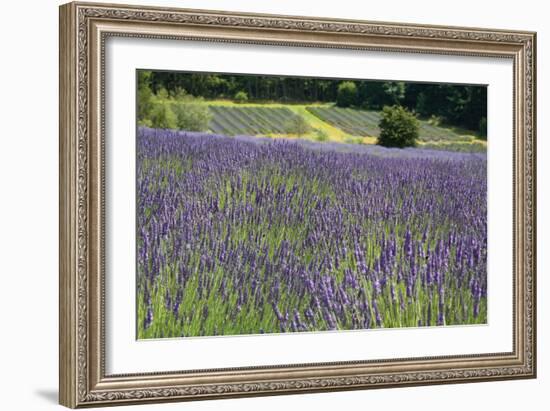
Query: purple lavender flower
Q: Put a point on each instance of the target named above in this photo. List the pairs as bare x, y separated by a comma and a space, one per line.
148, 318
299, 234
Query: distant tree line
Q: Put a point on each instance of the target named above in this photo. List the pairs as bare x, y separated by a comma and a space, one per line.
463, 106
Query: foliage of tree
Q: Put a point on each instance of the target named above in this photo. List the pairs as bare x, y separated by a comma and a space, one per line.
144, 96
162, 116
483, 127
398, 127
174, 109
347, 94
190, 114
456, 105
377, 94
241, 97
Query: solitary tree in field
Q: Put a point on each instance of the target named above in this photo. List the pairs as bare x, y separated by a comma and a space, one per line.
398, 127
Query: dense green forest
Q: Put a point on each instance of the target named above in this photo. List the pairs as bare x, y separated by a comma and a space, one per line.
462, 106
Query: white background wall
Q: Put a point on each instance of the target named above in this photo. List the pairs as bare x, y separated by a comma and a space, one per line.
29, 190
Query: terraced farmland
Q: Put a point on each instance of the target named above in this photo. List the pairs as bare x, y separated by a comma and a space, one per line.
365, 123
251, 120
267, 120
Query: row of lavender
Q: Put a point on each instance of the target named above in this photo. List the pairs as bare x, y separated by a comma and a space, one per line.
240, 236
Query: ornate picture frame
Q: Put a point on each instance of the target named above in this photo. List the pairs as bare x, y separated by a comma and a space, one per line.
84, 29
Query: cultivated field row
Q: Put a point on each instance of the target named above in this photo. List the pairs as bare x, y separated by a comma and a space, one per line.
265, 120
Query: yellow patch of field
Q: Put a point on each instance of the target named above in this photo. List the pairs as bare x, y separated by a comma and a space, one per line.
370, 140
334, 133
464, 142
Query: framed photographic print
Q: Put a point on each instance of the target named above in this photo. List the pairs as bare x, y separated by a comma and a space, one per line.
260, 204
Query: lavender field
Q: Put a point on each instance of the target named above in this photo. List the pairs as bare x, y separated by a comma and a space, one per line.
244, 235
